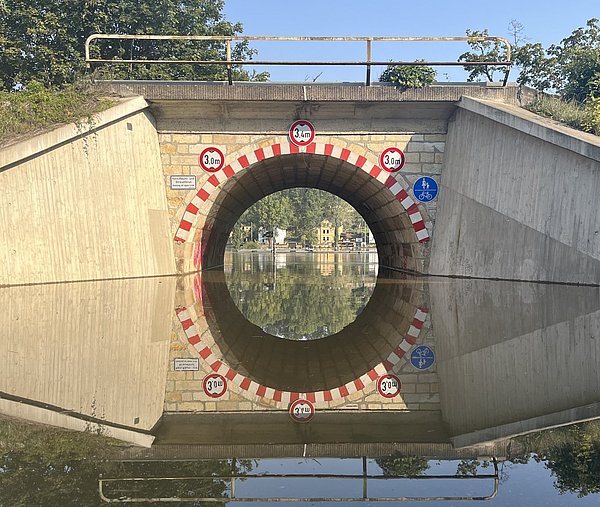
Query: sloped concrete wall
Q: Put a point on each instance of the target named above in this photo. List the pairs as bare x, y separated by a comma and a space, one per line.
519, 198
85, 202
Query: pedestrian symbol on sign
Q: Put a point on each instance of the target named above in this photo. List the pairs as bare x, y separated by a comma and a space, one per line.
422, 358
425, 189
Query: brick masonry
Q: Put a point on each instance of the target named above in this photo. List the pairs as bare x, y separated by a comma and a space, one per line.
184, 393
180, 156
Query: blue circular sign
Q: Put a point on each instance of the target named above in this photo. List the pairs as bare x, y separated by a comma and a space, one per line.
425, 189
422, 358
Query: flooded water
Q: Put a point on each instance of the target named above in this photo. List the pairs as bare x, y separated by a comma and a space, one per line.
429, 389
316, 295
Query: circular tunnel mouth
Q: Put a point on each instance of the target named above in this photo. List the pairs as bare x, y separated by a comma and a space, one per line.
391, 224
301, 296
317, 365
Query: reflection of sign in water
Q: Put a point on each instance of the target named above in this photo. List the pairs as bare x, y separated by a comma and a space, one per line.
212, 159
388, 385
302, 133
422, 358
425, 189
214, 385
302, 410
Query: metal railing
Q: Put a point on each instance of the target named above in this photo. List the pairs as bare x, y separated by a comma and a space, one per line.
365, 478
229, 62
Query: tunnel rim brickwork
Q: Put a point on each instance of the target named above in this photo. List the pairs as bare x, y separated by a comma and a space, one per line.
255, 154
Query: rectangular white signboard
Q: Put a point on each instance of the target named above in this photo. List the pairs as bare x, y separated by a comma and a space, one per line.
186, 364
183, 182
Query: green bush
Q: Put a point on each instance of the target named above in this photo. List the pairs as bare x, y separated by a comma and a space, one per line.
408, 76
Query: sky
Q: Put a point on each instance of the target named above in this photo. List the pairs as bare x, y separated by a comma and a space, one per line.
547, 22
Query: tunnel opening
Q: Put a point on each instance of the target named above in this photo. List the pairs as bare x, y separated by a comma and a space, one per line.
300, 264
393, 217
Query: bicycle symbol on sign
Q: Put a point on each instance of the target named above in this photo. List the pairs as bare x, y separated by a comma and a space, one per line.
425, 189
422, 358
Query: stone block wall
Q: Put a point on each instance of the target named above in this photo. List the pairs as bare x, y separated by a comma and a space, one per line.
180, 156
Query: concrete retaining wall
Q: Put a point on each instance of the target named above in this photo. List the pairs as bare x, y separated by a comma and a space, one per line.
518, 199
86, 201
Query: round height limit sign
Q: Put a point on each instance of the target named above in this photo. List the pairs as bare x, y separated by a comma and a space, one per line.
302, 133
392, 159
302, 410
212, 159
214, 385
388, 386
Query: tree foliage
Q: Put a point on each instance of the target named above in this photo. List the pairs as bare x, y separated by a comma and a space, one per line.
41, 465
408, 76
483, 51
572, 67
306, 301
301, 209
271, 211
45, 40
571, 453
398, 465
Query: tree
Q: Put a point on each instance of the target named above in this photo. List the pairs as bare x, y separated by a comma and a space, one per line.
484, 51
571, 453
45, 40
308, 212
330, 300
408, 76
338, 212
271, 211
577, 63
571, 68
41, 465
302, 210
397, 465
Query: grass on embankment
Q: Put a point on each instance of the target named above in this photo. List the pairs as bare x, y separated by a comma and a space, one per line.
38, 109
585, 117
31, 441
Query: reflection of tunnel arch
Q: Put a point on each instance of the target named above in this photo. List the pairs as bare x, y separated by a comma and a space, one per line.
325, 369
391, 214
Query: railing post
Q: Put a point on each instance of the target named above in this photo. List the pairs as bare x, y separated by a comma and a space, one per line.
229, 69
364, 467
368, 81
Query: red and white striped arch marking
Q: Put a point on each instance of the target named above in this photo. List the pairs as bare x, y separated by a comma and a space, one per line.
191, 212
286, 397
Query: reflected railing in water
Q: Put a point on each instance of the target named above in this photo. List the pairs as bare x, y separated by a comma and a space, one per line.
512, 359
257, 486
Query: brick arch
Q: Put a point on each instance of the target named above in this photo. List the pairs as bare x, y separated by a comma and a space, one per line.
211, 355
246, 161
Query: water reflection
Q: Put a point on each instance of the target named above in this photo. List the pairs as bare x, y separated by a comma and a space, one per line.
96, 353
301, 296
515, 362
309, 366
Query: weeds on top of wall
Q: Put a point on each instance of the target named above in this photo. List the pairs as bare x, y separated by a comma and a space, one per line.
581, 116
36, 109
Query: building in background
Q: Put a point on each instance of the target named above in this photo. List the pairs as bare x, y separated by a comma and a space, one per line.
326, 234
